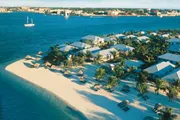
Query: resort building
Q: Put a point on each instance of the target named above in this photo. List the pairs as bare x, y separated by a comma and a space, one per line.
161, 69
94, 39
134, 63
130, 37
80, 45
165, 36
173, 76
92, 50
106, 54
153, 33
123, 48
67, 48
120, 36
143, 39
174, 45
173, 58
109, 39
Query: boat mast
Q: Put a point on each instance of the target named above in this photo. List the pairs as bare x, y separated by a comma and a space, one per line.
27, 19
32, 21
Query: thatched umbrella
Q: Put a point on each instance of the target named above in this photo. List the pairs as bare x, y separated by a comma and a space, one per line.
46, 64
36, 65
40, 53
158, 106
80, 73
53, 67
28, 57
37, 59
82, 79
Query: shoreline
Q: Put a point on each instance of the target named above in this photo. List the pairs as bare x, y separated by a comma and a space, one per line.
93, 105
39, 91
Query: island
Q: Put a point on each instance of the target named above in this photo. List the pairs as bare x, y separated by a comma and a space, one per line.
134, 75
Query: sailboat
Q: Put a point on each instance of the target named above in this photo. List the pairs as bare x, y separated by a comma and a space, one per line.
66, 15
29, 24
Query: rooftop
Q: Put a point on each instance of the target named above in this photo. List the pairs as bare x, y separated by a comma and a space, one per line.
174, 40
123, 47
174, 75
170, 57
80, 45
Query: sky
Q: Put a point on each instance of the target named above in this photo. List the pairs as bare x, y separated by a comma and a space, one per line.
171, 4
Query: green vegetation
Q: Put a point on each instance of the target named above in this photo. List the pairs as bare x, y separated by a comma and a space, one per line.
160, 85
167, 114
100, 73
112, 82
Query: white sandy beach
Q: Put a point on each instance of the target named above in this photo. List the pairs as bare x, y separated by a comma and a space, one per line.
100, 105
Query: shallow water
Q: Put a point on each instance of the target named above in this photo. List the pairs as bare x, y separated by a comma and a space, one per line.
22, 101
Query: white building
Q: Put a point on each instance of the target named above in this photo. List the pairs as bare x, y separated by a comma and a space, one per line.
161, 69
173, 76
134, 63
165, 35
94, 39
80, 45
92, 50
67, 48
106, 54
130, 37
109, 39
123, 48
120, 36
174, 45
153, 33
173, 58
143, 39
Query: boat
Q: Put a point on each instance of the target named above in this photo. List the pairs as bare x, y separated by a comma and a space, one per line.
161, 16
66, 15
29, 24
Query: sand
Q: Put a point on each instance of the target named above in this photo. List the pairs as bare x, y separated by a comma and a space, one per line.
100, 105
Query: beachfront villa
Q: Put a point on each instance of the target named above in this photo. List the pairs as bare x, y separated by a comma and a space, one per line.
174, 45
153, 33
143, 39
94, 39
123, 48
106, 54
67, 48
165, 36
161, 69
80, 45
134, 63
173, 76
130, 37
173, 58
120, 36
109, 39
92, 50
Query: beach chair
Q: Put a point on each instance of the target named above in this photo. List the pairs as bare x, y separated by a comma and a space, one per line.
126, 109
145, 97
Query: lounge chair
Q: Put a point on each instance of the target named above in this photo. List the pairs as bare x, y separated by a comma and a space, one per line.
145, 97
126, 109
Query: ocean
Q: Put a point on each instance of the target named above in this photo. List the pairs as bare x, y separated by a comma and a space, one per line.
23, 101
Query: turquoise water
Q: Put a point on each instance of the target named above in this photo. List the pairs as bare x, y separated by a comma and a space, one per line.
22, 101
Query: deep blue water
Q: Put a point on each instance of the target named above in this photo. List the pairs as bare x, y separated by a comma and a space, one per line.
17, 100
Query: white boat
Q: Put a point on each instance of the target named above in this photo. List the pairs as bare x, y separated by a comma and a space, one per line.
161, 16
66, 15
29, 24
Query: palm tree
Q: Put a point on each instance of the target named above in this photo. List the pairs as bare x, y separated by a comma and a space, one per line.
160, 84
115, 54
98, 58
142, 88
113, 81
100, 73
118, 71
142, 77
167, 114
88, 54
176, 83
172, 93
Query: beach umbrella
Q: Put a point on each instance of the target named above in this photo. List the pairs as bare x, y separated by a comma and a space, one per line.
40, 53
28, 57
47, 64
36, 65
80, 72
53, 67
158, 106
37, 59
